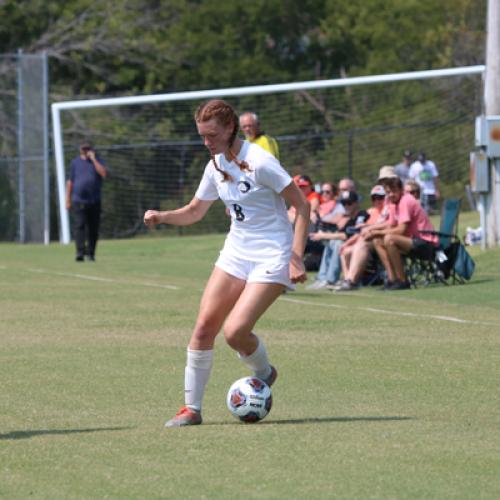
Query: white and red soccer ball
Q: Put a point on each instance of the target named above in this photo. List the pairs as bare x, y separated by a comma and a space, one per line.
249, 399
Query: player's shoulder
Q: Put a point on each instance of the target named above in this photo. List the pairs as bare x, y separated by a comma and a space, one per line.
258, 157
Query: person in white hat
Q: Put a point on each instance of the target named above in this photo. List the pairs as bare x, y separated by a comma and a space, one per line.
355, 253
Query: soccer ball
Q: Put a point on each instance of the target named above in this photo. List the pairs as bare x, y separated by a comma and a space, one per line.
249, 399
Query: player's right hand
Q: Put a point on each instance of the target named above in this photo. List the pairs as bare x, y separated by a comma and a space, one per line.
152, 217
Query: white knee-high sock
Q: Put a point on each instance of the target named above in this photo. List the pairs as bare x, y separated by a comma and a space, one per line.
197, 373
258, 361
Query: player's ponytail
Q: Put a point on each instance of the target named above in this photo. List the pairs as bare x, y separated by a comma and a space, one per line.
224, 113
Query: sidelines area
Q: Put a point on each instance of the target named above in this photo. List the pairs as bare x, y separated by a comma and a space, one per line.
283, 299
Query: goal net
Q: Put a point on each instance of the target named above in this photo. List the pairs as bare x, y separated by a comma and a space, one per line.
349, 128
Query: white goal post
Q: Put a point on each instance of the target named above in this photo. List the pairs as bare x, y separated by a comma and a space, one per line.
57, 108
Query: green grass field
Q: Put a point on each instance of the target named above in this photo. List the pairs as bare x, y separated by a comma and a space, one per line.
380, 395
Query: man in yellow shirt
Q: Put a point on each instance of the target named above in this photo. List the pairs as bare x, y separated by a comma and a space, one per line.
249, 124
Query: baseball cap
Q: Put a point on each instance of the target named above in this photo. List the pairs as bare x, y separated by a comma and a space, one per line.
407, 153
421, 156
348, 197
302, 180
377, 190
387, 172
86, 145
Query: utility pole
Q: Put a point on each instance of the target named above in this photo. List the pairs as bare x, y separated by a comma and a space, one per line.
492, 107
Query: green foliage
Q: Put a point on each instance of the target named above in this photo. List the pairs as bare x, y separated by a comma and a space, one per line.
144, 46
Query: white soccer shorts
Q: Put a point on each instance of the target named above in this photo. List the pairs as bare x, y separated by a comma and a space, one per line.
256, 272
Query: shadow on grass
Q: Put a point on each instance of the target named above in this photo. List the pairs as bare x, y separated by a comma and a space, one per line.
325, 420
56, 432
319, 420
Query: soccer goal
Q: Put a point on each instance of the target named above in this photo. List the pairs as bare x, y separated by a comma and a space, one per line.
327, 129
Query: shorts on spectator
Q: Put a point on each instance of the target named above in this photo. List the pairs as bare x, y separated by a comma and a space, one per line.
423, 249
256, 272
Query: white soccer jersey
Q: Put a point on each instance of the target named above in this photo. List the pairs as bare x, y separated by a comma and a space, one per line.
260, 230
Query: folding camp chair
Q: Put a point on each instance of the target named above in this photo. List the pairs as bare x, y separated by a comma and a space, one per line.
439, 267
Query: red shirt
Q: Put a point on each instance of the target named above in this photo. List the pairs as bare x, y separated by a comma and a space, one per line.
313, 195
409, 211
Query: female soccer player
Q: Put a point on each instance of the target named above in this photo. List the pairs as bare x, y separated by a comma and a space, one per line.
262, 255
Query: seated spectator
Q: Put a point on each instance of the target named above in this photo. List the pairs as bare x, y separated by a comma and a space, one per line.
412, 187
406, 220
357, 247
345, 184
305, 184
357, 255
329, 193
330, 267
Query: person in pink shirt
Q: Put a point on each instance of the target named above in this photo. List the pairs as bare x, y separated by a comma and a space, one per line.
402, 234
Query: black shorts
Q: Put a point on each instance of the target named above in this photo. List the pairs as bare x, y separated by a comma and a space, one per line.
423, 249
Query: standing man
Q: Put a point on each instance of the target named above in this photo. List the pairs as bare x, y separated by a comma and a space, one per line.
425, 172
403, 168
83, 196
249, 124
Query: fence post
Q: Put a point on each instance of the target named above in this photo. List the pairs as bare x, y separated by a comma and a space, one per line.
20, 148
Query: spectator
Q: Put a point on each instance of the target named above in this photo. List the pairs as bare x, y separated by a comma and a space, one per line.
329, 271
249, 124
402, 169
413, 188
356, 251
329, 194
83, 196
425, 172
345, 184
406, 221
305, 184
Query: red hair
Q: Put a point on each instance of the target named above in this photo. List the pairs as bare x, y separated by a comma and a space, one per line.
225, 115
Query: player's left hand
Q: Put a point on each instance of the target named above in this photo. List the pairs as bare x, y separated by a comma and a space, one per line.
297, 269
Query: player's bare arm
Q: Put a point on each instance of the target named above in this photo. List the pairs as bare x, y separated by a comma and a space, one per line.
191, 213
294, 197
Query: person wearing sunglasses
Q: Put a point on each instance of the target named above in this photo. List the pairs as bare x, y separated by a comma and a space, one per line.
356, 251
409, 229
328, 203
306, 186
330, 267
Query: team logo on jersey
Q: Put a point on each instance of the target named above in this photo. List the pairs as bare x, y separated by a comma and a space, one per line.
244, 186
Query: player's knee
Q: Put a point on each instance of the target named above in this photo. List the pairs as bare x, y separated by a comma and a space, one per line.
204, 331
234, 334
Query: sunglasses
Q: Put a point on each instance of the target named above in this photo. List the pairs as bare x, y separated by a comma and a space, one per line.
378, 197
412, 191
347, 203
325, 191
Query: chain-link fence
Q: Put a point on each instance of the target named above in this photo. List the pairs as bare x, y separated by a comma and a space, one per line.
24, 169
